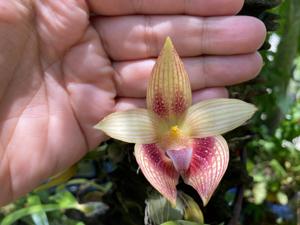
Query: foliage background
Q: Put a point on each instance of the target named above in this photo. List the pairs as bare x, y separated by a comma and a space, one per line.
261, 185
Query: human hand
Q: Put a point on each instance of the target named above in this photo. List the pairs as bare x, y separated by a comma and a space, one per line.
62, 71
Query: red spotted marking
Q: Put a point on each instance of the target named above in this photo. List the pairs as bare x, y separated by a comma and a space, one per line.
157, 158
203, 153
208, 165
159, 106
178, 104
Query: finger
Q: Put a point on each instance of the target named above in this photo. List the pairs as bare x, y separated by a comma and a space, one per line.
192, 7
210, 71
208, 93
138, 37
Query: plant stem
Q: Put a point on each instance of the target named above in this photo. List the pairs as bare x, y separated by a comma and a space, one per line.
240, 195
285, 57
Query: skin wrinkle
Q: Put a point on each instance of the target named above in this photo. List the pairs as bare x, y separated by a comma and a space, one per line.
48, 112
15, 68
148, 36
11, 181
55, 164
56, 56
45, 66
31, 98
202, 33
113, 79
87, 147
103, 41
204, 71
116, 76
56, 14
19, 117
57, 160
58, 59
22, 7
137, 6
186, 3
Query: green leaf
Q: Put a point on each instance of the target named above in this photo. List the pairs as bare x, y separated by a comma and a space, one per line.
80, 223
39, 218
82, 181
159, 210
59, 178
65, 199
91, 209
192, 211
277, 168
15, 216
181, 222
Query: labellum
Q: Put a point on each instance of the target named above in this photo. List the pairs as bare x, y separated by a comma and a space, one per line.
174, 138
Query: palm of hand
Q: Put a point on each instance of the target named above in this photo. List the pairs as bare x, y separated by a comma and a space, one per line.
57, 80
58, 74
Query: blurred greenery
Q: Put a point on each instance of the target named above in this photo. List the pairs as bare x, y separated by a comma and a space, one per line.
261, 185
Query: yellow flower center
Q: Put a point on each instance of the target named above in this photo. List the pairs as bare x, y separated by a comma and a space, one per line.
174, 139
175, 132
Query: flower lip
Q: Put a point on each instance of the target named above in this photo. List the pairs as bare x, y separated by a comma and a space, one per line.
181, 158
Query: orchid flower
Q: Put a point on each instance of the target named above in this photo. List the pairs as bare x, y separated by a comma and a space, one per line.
176, 139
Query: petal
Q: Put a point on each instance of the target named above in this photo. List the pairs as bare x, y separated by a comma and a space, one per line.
158, 169
169, 91
209, 163
216, 116
133, 126
181, 158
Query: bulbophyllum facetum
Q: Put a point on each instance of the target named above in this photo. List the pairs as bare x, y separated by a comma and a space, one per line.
174, 138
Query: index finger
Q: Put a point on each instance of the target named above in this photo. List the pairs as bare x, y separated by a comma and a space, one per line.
190, 7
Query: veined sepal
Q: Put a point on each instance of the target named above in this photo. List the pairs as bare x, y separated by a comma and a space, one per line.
132, 126
158, 169
208, 165
169, 92
216, 116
